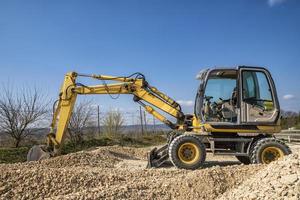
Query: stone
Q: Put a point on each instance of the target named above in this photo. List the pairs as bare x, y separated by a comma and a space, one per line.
289, 179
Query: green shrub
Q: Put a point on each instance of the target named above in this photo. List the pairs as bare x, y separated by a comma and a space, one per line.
13, 155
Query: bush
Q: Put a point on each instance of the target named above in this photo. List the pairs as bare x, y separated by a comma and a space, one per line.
13, 155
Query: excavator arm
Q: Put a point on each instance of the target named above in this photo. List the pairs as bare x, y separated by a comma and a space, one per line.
147, 96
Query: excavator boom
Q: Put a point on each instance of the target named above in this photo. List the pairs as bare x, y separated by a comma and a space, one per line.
147, 96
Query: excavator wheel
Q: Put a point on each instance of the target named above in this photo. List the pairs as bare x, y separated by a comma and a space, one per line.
187, 152
267, 150
38, 152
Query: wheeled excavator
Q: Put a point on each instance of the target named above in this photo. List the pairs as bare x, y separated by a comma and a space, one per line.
236, 113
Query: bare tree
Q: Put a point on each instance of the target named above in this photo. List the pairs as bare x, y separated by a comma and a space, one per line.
289, 119
81, 118
113, 122
20, 112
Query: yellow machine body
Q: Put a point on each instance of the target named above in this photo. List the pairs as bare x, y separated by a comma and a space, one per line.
202, 122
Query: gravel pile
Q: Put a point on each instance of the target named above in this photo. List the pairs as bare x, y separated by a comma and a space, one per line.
119, 173
279, 180
166, 184
105, 157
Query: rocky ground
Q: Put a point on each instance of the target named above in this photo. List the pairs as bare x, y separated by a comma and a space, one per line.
278, 180
119, 173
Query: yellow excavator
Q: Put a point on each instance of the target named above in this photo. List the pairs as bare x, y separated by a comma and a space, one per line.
236, 113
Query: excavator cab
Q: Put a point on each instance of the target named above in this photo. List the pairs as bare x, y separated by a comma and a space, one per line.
242, 98
236, 113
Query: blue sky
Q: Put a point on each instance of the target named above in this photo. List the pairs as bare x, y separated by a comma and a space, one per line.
169, 41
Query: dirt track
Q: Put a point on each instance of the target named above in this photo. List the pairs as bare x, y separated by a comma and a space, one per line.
119, 173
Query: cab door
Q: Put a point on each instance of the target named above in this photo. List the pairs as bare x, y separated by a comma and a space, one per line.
258, 98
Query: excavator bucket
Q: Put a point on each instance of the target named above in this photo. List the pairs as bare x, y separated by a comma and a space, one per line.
38, 152
156, 157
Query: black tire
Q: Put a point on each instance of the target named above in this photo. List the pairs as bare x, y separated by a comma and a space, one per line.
187, 144
258, 155
244, 159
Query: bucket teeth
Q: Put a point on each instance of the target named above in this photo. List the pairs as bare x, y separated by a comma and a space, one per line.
38, 152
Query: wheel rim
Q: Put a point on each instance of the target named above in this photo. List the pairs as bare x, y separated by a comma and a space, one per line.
270, 154
188, 153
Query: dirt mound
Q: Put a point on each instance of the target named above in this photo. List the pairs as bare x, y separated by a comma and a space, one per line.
279, 180
119, 173
101, 157
167, 184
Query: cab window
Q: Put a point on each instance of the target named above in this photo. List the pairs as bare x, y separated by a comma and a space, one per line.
256, 88
220, 97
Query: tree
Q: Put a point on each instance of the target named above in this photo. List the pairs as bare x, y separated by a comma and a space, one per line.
20, 112
113, 122
289, 119
81, 118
